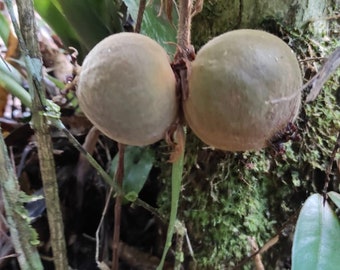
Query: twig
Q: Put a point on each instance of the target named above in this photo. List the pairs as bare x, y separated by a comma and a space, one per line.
191, 251
141, 9
271, 242
58, 124
30, 49
152, 210
257, 258
9, 256
322, 76
118, 208
312, 59
108, 198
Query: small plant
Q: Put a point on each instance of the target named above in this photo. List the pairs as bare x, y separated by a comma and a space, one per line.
241, 92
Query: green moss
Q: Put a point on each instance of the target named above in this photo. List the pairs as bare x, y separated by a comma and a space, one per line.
228, 197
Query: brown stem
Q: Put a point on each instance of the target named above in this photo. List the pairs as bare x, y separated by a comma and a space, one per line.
142, 5
28, 42
118, 207
184, 24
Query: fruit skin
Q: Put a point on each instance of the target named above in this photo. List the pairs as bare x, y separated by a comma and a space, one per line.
244, 87
127, 89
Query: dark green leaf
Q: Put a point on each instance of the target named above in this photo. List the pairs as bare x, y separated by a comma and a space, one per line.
138, 162
156, 27
56, 20
316, 242
335, 197
107, 12
91, 20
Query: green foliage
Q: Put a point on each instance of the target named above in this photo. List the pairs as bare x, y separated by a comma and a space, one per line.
89, 19
23, 198
222, 206
4, 28
157, 27
316, 242
176, 180
51, 12
335, 197
228, 197
235, 211
138, 162
82, 24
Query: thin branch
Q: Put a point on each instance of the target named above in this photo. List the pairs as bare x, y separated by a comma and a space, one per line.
28, 43
118, 208
108, 199
322, 76
141, 9
58, 124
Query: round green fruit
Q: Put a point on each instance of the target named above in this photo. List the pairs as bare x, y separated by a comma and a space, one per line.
127, 89
244, 87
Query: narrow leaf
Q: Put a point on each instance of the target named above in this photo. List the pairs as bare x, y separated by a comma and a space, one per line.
316, 242
335, 197
4, 28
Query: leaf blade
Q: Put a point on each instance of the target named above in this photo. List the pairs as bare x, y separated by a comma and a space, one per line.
316, 239
159, 28
335, 197
138, 162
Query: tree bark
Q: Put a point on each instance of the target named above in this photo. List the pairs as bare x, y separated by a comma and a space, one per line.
219, 16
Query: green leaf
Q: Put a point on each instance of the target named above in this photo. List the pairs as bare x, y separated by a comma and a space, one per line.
10, 71
335, 197
12, 86
4, 28
108, 13
316, 242
91, 20
156, 27
138, 162
56, 20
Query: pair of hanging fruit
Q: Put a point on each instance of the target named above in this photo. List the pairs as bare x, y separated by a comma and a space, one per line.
244, 88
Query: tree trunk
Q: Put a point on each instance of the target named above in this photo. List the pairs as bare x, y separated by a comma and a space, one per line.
219, 16
229, 199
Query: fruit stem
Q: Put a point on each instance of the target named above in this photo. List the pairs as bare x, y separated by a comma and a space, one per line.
118, 208
184, 24
141, 9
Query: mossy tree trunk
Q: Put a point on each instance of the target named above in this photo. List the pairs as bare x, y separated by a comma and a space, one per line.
230, 198
219, 16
